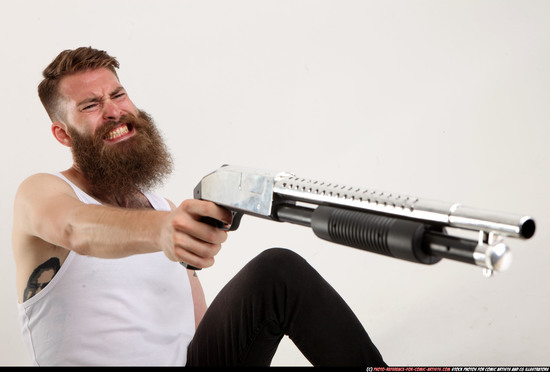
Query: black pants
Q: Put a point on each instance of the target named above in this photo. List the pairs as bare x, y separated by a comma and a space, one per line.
278, 293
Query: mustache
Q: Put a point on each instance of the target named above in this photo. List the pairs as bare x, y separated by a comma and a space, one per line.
133, 122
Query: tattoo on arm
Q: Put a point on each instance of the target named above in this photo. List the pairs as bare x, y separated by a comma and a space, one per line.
41, 276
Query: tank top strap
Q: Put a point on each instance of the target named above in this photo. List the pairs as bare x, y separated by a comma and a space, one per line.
157, 202
82, 196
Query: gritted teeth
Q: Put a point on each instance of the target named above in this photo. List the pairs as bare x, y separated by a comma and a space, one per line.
117, 132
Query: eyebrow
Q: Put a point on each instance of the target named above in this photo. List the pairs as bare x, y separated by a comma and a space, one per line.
93, 99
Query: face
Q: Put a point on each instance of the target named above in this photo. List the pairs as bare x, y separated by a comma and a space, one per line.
92, 98
117, 148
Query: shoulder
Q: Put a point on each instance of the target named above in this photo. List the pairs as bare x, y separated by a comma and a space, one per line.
38, 196
41, 184
40, 180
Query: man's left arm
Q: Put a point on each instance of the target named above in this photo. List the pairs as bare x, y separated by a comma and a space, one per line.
199, 300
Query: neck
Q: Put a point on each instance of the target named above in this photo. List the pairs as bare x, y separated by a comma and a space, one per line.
135, 199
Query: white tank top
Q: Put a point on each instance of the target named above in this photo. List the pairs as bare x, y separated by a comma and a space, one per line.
136, 310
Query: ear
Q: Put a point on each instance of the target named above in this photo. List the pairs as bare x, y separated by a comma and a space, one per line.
61, 133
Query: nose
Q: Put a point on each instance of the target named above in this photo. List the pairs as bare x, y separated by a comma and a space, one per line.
111, 111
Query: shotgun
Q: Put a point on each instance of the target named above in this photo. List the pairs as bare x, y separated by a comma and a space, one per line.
390, 224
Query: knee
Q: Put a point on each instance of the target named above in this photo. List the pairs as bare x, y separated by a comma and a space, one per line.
280, 262
279, 257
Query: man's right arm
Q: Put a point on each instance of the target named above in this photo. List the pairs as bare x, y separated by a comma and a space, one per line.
47, 208
49, 216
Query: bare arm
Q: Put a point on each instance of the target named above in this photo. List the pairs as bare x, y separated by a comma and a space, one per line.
199, 300
48, 216
46, 208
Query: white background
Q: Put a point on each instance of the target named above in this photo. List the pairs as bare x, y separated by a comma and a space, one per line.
446, 100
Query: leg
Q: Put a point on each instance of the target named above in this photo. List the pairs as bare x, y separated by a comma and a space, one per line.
279, 293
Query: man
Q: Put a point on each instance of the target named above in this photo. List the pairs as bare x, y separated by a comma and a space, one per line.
97, 253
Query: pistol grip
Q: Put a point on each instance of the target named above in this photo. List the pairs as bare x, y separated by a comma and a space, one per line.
220, 225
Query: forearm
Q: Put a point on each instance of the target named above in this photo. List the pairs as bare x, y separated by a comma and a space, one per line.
199, 300
110, 232
46, 208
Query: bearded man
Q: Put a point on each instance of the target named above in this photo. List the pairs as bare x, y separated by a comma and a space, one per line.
97, 252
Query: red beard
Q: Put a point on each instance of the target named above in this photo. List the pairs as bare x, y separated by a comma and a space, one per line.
136, 164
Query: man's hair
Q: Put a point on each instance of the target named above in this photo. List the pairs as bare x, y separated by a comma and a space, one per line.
66, 63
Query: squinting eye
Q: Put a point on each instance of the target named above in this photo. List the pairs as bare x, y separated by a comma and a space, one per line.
89, 107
